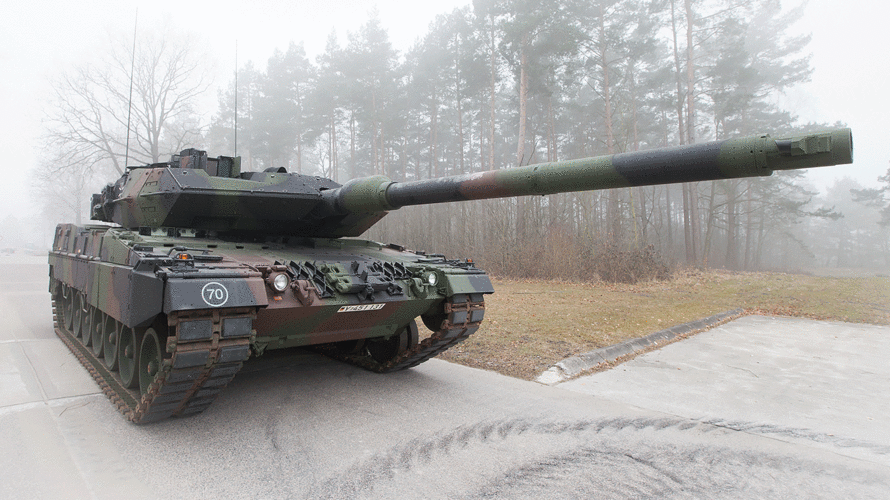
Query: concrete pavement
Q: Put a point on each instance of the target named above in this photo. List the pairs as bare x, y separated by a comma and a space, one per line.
823, 382
759, 407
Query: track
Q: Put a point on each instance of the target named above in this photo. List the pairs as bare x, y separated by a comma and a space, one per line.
192, 373
183, 376
190, 376
463, 313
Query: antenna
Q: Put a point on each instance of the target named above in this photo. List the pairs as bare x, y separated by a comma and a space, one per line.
130, 101
236, 98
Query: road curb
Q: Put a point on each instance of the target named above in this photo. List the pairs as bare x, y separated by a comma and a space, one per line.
574, 365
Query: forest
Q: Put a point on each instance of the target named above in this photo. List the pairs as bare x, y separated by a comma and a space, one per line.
495, 85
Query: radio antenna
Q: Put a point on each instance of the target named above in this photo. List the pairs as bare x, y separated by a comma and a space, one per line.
236, 98
130, 101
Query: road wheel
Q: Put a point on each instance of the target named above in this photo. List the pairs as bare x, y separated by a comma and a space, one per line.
67, 307
150, 359
97, 329
86, 323
110, 333
128, 362
385, 349
77, 313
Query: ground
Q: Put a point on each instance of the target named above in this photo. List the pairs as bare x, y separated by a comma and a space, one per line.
530, 325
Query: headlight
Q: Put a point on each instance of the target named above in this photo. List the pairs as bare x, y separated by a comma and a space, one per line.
432, 279
280, 282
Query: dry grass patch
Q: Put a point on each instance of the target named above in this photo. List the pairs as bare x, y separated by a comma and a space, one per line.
530, 325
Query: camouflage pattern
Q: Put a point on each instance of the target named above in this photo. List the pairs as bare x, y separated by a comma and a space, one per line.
207, 265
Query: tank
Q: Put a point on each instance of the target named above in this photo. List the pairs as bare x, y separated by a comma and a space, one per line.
199, 266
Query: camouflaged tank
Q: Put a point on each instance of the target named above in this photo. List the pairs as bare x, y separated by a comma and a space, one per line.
205, 265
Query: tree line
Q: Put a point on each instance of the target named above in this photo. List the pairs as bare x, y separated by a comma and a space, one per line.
504, 83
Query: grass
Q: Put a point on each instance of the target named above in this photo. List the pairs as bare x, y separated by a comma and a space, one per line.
530, 325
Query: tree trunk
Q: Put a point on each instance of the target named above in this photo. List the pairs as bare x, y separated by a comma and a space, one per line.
709, 225
681, 126
493, 89
299, 132
749, 223
607, 99
434, 123
732, 251
332, 148
615, 195
696, 222
670, 221
352, 173
375, 149
761, 231
690, 75
523, 101
520, 150
552, 200
689, 224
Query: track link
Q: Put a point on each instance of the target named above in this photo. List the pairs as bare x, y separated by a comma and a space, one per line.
464, 313
190, 378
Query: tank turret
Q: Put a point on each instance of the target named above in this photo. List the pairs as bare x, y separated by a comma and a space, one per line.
196, 192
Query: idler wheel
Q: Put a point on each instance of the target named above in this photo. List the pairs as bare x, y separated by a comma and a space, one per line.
149, 359
97, 326
128, 362
110, 332
385, 349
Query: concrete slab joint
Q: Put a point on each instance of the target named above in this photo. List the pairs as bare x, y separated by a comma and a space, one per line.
574, 365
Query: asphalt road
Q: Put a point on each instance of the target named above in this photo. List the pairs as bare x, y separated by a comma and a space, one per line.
757, 408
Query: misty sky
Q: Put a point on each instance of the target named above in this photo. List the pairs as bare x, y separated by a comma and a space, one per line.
40, 39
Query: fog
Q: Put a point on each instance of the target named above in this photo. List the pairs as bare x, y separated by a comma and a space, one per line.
843, 83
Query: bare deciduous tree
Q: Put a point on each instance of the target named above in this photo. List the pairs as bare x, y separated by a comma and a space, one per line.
88, 117
61, 185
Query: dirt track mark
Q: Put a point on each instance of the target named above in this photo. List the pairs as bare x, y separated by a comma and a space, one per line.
361, 477
614, 471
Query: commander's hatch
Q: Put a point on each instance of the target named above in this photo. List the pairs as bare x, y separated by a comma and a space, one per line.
223, 166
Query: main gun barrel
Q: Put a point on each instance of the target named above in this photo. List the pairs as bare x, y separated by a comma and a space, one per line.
733, 158
196, 192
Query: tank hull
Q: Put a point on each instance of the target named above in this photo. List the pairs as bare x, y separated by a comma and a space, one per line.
197, 307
